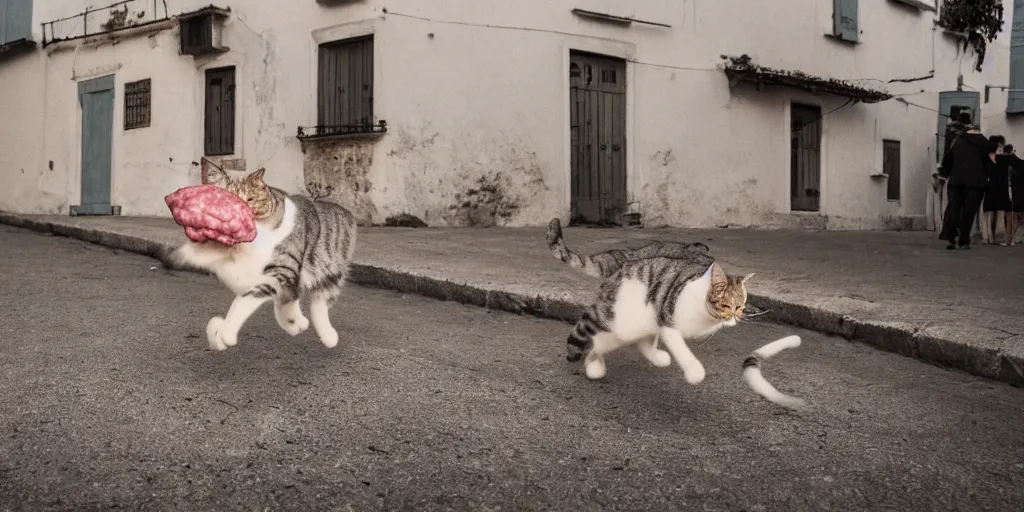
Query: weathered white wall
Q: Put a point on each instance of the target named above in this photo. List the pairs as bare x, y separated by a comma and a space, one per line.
471, 107
28, 185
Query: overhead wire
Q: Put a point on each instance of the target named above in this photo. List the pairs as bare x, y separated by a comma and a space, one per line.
897, 97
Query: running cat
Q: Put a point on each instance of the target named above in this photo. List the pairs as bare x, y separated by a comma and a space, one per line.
673, 300
604, 264
302, 249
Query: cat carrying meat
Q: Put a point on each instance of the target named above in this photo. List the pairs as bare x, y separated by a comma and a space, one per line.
302, 249
672, 299
604, 264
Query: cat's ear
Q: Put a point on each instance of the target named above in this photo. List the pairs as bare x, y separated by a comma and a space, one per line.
717, 274
211, 173
743, 280
256, 178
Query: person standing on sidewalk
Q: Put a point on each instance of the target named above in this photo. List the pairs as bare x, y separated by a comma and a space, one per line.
1016, 217
996, 203
998, 197
966, 167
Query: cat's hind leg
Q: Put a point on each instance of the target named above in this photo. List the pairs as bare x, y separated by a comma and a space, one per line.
590, 340
287, 310
289, 316
693, 370
649, 348
603, 343
319, 313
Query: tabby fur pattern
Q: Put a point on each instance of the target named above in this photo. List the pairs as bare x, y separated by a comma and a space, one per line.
671, 300
302, 250
606, 263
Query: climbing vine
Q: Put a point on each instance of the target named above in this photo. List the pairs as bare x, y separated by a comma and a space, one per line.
979, 20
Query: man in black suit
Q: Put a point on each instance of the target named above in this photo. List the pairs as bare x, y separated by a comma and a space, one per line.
966, 167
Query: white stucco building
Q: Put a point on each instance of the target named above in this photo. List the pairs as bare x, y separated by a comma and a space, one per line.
473, 112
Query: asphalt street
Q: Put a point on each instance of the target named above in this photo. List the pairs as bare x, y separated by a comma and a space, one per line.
110, 397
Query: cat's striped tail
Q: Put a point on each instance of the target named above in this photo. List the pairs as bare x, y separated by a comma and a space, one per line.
581, 339
756, 381
562, 252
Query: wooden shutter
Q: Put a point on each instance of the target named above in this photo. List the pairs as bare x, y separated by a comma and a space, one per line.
219, 133
345, 83
1015, 96
891, 167
15, 20
844, 22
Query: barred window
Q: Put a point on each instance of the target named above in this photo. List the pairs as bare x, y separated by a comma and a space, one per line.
137, 105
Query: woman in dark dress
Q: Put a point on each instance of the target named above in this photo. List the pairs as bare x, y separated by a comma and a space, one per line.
1016, 217
997, 194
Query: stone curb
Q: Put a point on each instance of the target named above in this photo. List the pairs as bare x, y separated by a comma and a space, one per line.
980, 361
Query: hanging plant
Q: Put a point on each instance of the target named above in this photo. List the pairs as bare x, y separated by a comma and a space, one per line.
979, 20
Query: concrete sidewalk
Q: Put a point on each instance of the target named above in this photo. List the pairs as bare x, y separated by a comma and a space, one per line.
898, 291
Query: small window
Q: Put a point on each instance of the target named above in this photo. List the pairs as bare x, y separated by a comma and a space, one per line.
15, 20
844, 20
345, 84
891, 167
219, 123
137, 104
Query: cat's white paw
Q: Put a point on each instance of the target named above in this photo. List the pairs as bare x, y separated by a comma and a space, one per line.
595, 369
661, 359
296, 327
694, 374
213, 330
329, 338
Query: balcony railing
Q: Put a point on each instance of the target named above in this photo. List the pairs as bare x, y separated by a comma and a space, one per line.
319, 131
99, 20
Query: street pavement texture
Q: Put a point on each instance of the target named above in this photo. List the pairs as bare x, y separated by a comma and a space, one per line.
899, 291
112, 398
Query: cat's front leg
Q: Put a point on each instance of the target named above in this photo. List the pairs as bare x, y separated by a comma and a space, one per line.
191, 255
693, 370
223, 332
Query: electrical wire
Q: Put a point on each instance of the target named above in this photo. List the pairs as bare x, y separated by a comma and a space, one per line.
667, 66
545, 31
819, 118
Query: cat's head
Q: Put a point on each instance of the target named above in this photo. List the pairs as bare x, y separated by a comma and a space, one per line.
727, 297
250, 188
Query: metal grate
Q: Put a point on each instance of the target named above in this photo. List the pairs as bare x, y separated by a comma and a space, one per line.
137, 104
891, 167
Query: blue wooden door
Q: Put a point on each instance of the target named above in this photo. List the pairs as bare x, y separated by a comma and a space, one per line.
97, 99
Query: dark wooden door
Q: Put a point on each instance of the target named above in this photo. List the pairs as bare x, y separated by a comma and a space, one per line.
219, 136
597, 96
805, 158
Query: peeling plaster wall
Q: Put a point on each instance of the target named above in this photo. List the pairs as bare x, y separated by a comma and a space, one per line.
478, 116
338, 170
28, 184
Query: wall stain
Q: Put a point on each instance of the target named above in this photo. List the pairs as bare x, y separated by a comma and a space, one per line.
474, 180
338, 170
484, 203
663, 158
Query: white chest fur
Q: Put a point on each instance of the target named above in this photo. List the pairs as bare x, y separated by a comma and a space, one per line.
635, 318
691, 316
240, 267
